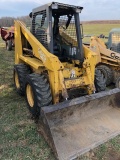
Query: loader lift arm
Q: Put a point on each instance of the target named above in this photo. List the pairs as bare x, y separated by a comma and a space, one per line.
99, 47
40, 52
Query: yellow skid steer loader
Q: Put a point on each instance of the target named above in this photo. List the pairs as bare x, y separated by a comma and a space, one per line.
62, 85
109, 63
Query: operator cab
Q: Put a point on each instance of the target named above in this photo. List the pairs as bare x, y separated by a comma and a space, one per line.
114, 40
57, 27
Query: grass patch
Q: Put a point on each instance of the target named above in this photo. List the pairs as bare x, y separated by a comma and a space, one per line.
97, 29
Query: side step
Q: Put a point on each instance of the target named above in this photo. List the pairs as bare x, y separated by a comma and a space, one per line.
74, 127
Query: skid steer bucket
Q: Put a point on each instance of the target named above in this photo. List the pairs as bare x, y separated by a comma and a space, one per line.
74, 127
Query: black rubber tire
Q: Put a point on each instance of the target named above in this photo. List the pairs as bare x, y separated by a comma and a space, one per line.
107, 72
100, 82
22, 71
117, 84
41, 93
9, 45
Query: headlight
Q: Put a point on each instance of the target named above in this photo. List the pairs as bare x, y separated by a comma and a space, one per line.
78, 10
54, 6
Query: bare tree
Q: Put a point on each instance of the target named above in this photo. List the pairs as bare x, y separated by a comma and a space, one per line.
9, 21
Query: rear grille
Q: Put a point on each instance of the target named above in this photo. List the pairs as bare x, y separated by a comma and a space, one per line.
70, 31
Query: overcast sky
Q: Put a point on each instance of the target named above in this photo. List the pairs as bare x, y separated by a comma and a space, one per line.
93, 9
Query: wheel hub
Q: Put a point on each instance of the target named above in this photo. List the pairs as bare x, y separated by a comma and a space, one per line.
17, 83
30, 97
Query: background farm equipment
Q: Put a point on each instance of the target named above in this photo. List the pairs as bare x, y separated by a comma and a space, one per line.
109, 63
7, 34
109, 53
113, 39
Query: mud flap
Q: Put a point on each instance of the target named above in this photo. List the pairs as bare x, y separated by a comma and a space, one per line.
74, 127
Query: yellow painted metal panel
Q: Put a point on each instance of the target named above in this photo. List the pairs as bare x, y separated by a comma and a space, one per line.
50, 61
34, 62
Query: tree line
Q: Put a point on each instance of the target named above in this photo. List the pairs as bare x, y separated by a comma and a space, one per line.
9, 21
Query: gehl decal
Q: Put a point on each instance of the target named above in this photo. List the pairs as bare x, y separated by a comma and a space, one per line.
114, 56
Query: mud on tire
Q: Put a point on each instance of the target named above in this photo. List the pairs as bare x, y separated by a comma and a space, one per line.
100, 82
38, 93
117, 84
20, 73
107, 72
9, 45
